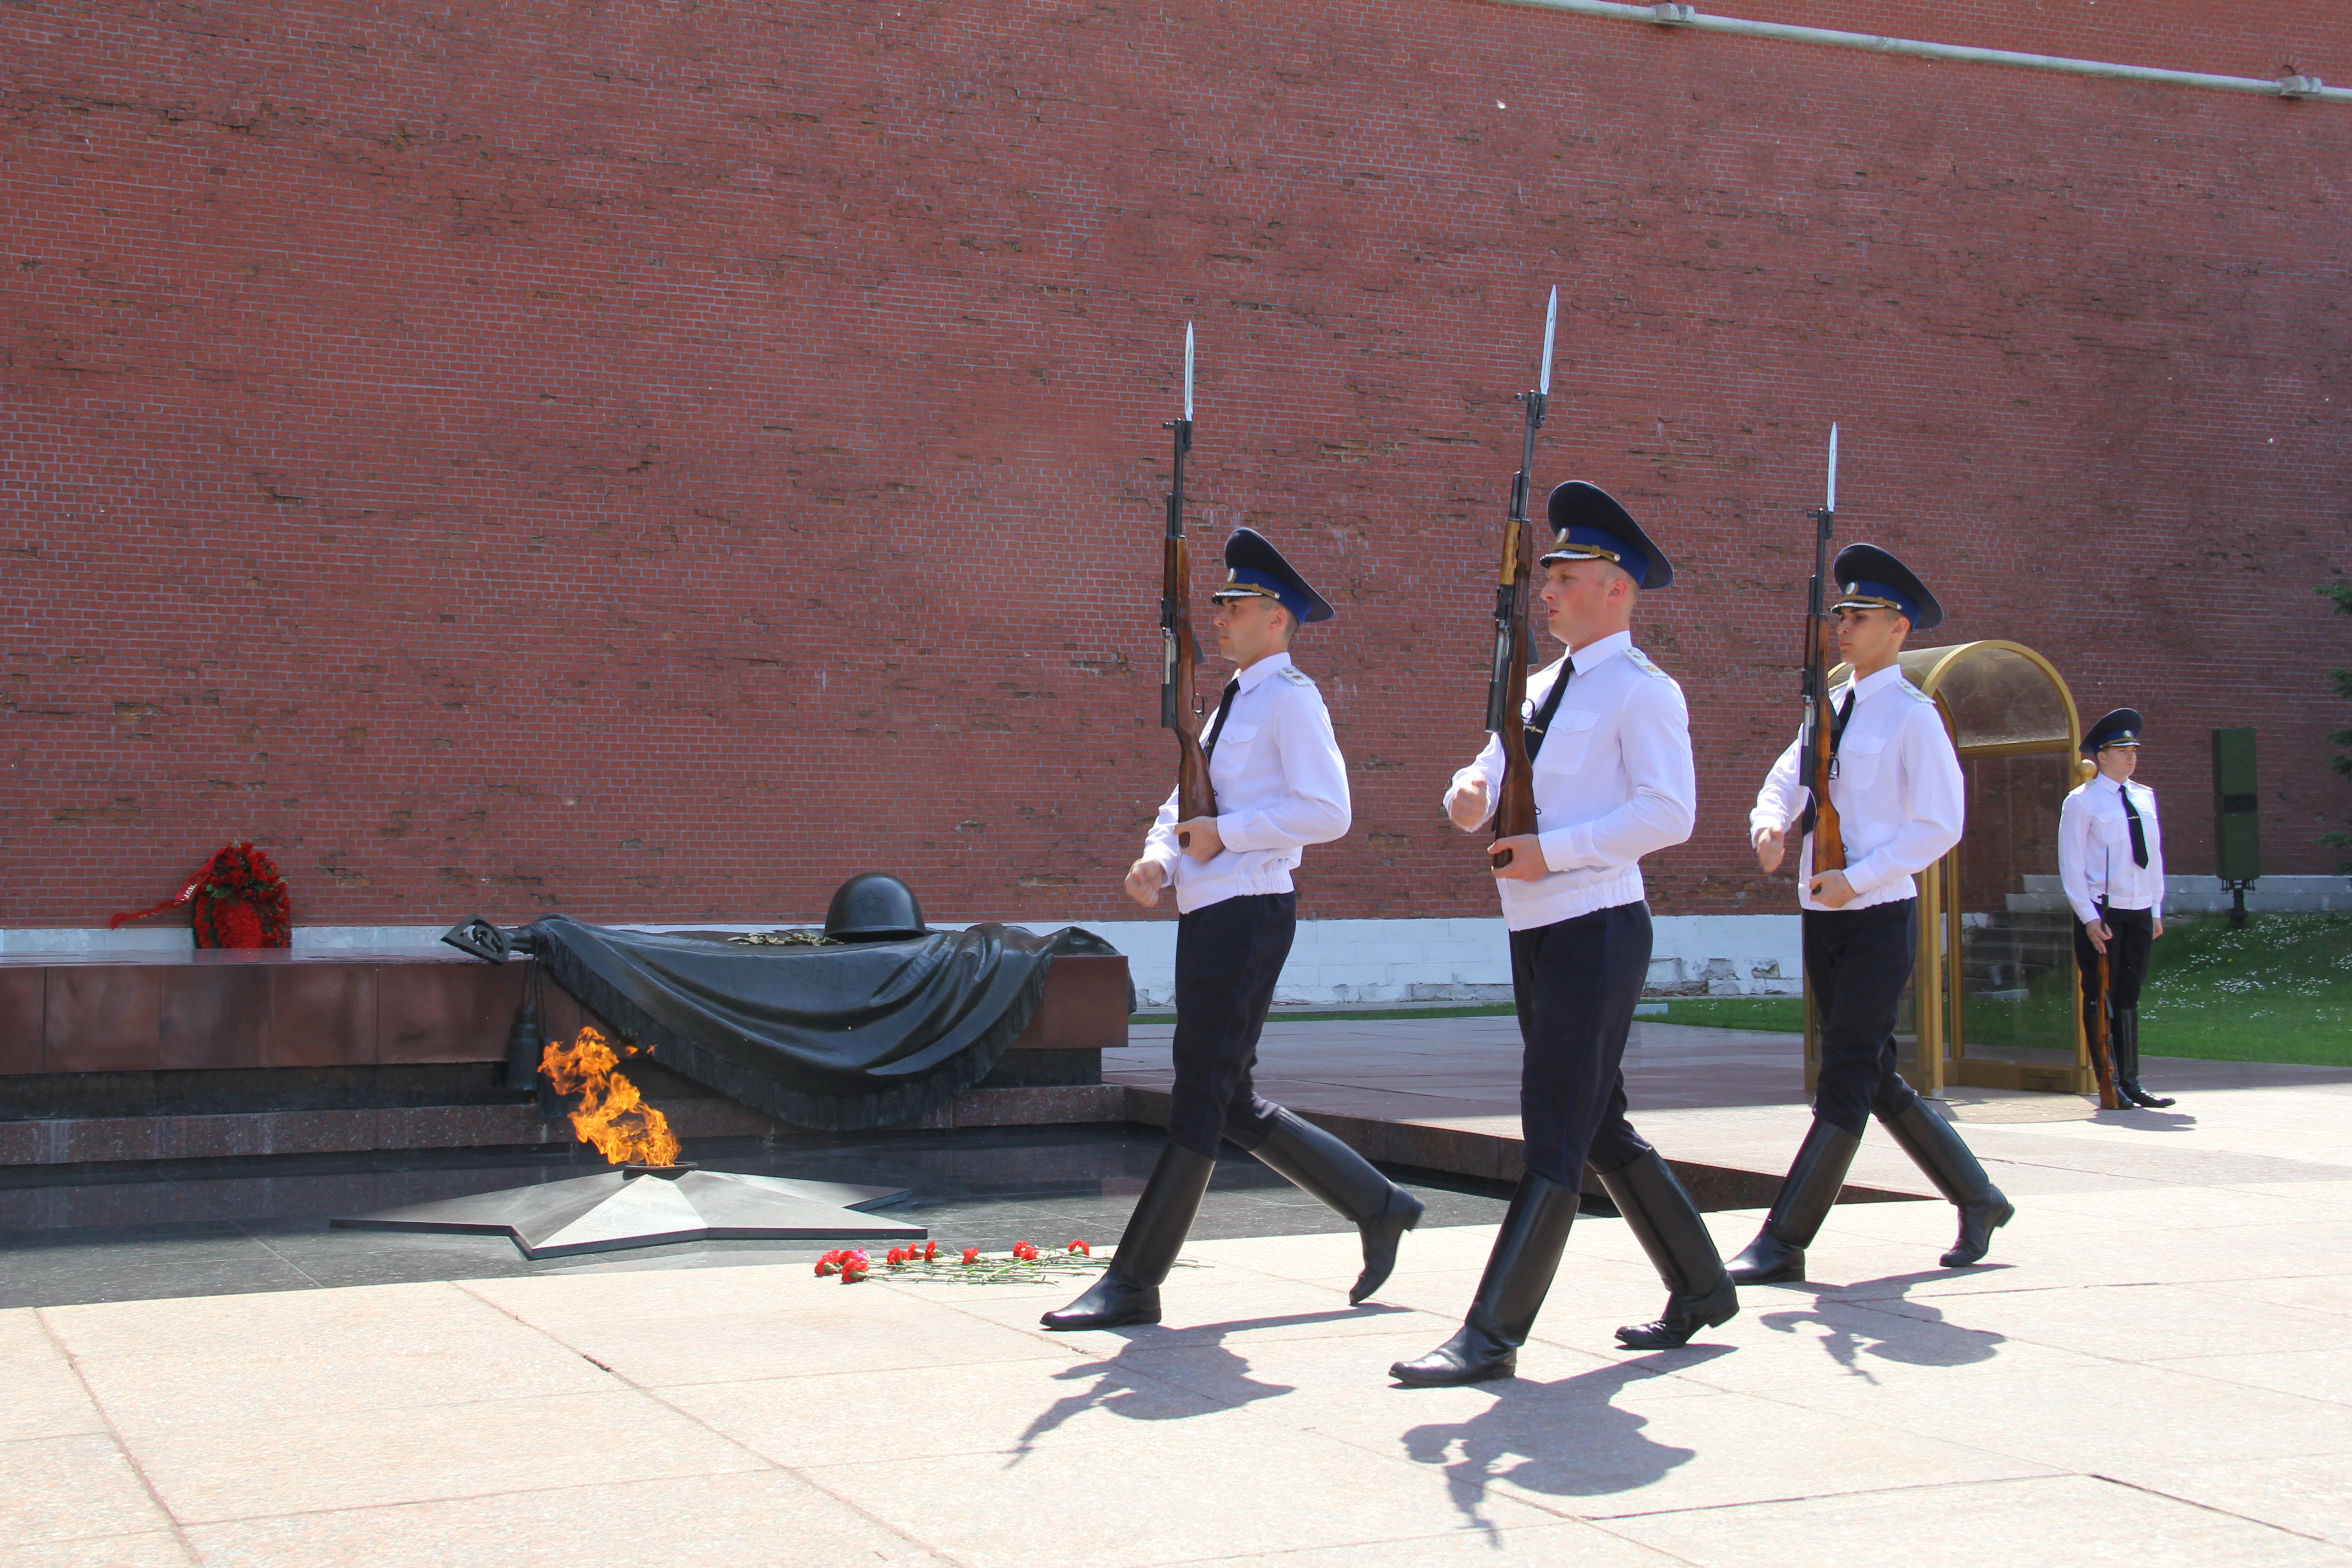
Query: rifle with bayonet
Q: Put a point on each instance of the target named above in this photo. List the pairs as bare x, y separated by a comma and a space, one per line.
2103, 1061
1506, 680
1179, 645
1817, 751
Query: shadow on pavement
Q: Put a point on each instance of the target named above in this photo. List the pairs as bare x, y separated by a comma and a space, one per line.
1118, 1383
1862, 1324
1562, 1439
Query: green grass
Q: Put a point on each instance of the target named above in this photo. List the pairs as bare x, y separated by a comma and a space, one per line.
1780, 1015
2279, 991
1353, 1015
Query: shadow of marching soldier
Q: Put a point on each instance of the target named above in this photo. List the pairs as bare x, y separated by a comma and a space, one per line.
1123, 1385
1887, 1325
1561, 1439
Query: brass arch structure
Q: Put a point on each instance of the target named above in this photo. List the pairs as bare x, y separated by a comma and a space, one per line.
2007, 967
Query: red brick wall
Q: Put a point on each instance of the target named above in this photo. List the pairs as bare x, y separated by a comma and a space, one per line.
657, 461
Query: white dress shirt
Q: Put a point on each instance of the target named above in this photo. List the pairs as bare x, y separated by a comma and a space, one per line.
1281, 785
2094, 852
1613, 780
1899, 792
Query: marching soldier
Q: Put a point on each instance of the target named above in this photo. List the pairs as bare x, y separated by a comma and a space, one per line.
1898, 789
2111, 863
1281, 784
1609, 734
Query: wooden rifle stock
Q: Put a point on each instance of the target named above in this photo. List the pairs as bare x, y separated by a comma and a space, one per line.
1819, 763
1179, 708
2103, 1059
1506, 681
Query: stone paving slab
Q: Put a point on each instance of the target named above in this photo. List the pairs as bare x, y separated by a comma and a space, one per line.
2079, 1401
1727, 1107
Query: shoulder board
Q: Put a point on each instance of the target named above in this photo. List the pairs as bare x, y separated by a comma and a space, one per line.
1641, 660
1295, 676
1914, 693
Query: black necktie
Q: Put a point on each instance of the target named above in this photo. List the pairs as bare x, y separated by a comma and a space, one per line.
1542, 720
2140, 838
1224, 706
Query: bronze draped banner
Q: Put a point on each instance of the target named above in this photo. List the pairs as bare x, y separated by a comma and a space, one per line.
839, 1037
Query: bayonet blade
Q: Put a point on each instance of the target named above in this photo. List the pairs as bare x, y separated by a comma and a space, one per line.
1830, 504
1188, 373
1551, 320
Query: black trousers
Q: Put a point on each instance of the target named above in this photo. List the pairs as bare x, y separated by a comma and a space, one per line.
1576, 983
1228, 957
1858, 961
2132, 933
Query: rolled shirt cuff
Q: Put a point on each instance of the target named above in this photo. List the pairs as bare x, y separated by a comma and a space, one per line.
1567, 849
1873, 872
1237, 831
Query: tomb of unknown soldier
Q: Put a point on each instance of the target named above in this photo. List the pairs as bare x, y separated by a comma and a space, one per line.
1507, 781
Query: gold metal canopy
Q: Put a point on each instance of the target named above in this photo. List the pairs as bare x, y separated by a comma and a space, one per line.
1992, 999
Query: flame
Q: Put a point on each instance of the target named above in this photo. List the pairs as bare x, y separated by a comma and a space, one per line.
611, 1115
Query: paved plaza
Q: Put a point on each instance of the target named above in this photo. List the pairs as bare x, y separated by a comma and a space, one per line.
2154, 1368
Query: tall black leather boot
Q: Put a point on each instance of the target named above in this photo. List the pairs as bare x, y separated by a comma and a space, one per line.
2127, 1039
1935, 1146
1510, 1293
1777, 1255
1321, 1165
1699, 1293
1128, 1290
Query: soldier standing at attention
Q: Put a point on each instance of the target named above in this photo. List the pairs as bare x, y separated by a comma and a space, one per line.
1898, 791
1281, 784
2111, 863
1609, 736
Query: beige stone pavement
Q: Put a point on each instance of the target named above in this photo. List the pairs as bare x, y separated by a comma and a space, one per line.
2155, 1367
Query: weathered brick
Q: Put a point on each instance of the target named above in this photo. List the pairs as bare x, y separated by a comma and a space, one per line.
656, 463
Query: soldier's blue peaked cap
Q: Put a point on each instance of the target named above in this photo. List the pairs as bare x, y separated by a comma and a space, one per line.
2120, 728
1869, 578
1588, 524
1256, 569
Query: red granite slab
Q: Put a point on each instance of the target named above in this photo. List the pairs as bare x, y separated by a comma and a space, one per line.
1084, 1007
101, 1018
22, 993
323, 1015
446, 1012
212, 1015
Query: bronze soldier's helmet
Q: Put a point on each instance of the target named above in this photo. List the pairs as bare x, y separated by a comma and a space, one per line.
874, 906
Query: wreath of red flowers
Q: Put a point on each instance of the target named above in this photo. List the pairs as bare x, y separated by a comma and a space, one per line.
238, 899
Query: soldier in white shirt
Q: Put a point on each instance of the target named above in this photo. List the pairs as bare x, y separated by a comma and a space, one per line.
1609, 736
2111, 863
1898, 788
1281, 784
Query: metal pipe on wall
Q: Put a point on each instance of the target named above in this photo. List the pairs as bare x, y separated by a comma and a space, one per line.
1682, 16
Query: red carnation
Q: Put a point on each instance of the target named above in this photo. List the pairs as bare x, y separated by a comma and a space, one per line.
971, 1255
930, 1251
1081, 1249
897, 1256
1026, 1251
